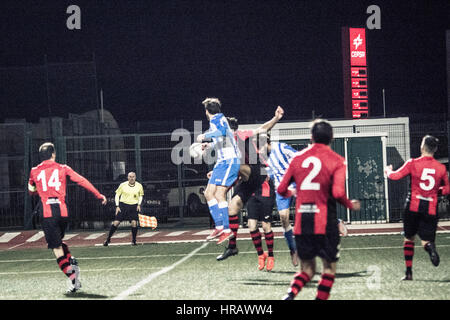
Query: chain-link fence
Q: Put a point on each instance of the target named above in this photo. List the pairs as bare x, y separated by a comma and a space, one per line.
173, 190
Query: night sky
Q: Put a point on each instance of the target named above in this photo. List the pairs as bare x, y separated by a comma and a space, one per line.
158, 60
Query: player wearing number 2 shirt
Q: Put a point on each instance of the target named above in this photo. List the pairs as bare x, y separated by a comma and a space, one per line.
48, 180
319, 175
428, 177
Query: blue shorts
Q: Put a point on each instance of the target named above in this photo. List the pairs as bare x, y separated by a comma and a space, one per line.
282, 202
225, 173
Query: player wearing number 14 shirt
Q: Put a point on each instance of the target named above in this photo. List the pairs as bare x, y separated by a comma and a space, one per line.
428, 178
319, 175
48, 180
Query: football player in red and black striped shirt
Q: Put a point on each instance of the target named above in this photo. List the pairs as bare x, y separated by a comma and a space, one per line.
428, 177
319, 174
48, 180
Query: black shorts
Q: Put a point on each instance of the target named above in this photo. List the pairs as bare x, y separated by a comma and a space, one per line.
420, 223
127, 212
245, 189
310, 246
54, 227
260, 208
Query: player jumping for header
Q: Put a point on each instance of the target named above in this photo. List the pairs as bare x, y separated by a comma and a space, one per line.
225, 171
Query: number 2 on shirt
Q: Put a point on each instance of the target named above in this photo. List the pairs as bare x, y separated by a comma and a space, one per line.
427, 175
52, 182
307, 183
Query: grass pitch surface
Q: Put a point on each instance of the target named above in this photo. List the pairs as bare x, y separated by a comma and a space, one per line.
370, 268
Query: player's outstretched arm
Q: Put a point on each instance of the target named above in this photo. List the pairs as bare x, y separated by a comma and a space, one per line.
279, 112
445, 189
83, 182
402, 172
338, 190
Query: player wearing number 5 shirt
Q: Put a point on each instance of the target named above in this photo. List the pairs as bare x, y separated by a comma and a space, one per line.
319, 175
428, 177
48, 180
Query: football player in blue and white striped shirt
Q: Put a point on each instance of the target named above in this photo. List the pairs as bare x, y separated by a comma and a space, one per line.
225, 171
280, 155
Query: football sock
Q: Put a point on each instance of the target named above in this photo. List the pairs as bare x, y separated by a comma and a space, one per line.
289, 236
64, 265
223, 209
256, 238
269, 242
325, 284
134, 231
66, 250
111, 231
215, 213
408, 251
300, 280
234, 226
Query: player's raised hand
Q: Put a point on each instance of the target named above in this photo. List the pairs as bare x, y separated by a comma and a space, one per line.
279, 112
388, 168
200, 138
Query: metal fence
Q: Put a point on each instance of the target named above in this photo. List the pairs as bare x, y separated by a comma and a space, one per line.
173, 192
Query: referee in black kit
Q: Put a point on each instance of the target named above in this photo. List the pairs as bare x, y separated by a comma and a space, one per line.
128, 200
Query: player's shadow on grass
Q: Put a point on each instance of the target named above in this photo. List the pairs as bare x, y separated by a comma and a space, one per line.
338, 274
435, 280
85, 295
352, 274
267, 282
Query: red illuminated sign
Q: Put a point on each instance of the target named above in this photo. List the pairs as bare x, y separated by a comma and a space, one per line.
358, 72
357, 46
360, 105
357, 114
359, 83
355, 73
359, 94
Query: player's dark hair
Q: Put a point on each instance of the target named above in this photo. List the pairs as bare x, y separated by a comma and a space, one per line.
233, 122
322, 132
46, 150
212, 105
430, 143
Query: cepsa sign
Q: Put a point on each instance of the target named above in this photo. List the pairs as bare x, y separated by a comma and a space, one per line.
357, 46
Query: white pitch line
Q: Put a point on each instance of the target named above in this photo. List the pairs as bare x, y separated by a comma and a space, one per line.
152, 276
36, 237
84, 270
8, 236
147, 234
197, 254
175, 233
69, 236
120, 235
94, 236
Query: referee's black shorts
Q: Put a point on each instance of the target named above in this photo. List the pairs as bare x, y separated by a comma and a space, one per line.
245, 189
127, 212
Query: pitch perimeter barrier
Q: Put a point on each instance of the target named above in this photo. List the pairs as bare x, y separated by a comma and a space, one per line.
174, 191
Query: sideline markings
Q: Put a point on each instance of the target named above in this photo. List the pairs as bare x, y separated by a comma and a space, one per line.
8, 236
152, 276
